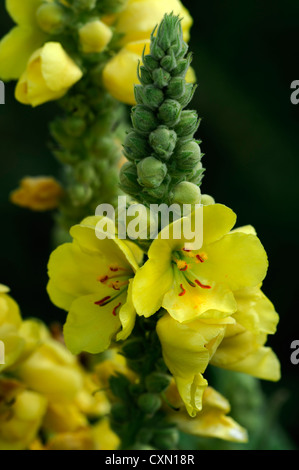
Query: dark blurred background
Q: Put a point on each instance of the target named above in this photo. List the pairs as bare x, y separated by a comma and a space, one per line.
245, 58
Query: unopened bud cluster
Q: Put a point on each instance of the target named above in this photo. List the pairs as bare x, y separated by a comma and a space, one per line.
164, 158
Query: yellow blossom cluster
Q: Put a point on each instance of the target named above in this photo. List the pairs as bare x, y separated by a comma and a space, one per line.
46, 396
213, 309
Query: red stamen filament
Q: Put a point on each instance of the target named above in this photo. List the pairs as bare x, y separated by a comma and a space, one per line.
102, 301
115, 308
183, 290
202, 285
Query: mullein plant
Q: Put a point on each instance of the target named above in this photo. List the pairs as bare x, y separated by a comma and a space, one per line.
67, 51
172, 313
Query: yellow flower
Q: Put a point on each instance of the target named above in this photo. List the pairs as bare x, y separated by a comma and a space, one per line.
91, 279
120, 73
140, 17
95, 36
20, 43
51, 370
242, 348
20, 337
211, 421
49, 74
21, 422
199, 283
39, 193
187, 350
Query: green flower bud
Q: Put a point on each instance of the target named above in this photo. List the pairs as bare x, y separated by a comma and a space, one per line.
161, 77
169, 62
169, 32
50, 18
155, 48
80, 194
161, 192
119, 412
151, 172
188, 155
133, 349
150, 63
85, 4
188, 125
75, 126
185, 99
163, 142
145, 77
166, 439
149, 95
157, 382
145, 435
176, 88
186, 193
128, 179
196, 174
149, 403
207, 200
143, 119
170, 112
136, 146
182, 67
112, 6
85, 173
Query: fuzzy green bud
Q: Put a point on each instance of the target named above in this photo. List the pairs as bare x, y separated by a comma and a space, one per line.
151, 172
50, 18
166, 438
85, 4
163, 142
128, 179
188, 155
143, 119
196, 175
157, 382
80, 194
170, 112
161, 77
149, 403
75, 126
186, 193
119, 412
188, 124
136, 146
176, 88
207, 200
149, 95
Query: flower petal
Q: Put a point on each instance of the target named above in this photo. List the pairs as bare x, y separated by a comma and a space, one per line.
237, 260
23, 12
15, 50
151, 282
90, 327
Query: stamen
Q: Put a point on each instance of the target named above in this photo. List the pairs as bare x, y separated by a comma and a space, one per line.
103, 301
202, 285
103, 278
200, 259
115, 308
183, 290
